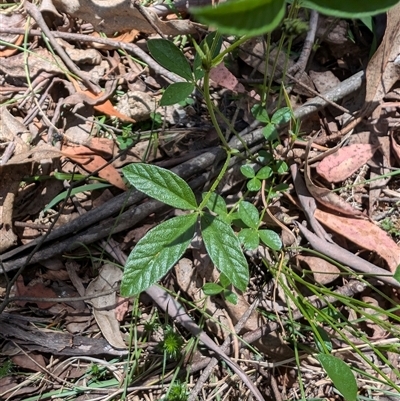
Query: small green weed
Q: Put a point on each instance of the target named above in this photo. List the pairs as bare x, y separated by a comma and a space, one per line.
6, 368
171, 345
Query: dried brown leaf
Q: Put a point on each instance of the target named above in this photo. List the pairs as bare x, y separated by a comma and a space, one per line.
323, 271
324, 196
104, 306
365, 234
346, 161
383, 68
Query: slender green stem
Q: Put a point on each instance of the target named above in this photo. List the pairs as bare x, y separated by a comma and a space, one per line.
229, 49
216, 182
210, 108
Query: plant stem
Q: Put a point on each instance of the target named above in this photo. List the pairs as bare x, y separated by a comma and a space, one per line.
217, 181
210, 108
229, 49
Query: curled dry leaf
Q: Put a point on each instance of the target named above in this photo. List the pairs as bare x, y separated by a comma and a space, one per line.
323, 271
346, 161
126, 37
324, 196
382, 70
103, 307
91, 162
364, 234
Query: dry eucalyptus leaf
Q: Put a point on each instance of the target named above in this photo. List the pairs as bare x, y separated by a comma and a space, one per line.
103, 306
346, 161
364, 234
110, 16
383, 69
323, 195
323, 271
223, 77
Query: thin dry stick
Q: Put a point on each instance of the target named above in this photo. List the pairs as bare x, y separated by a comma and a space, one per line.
224, 348
34, 12
347, 258
301, 64
129, 47
144, 12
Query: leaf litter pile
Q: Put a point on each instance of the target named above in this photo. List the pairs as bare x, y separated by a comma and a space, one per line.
80, 96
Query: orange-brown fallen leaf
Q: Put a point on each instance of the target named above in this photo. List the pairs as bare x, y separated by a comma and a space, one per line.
323, 195
126, 37
105, 107
346, 161
364, 234
9, 51
91, 162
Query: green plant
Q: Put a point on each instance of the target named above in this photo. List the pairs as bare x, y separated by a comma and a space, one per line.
162, 246
171, 345
6, 368
97, 372
255, 17
178, 391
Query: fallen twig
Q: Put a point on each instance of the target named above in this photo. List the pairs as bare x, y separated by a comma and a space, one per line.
37, 16
347, 258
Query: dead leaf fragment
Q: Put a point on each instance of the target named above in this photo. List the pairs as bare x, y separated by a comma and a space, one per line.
323, 195
364, 234
37, 290
346, 161
104, 306
323, 271
223, 77
91, 162
383, 69
111, 16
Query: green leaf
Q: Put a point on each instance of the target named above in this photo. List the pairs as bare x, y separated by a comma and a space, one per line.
247, 171
224, 250
230, 297
77, 190
216, 204
212, 289
249, 238
254, 184
327, 343
281, 167
271, 239
170, 57
281, 187
156, 253
207, 43
281, 116
396, 274
260, 113
161, 184
264, 173
350, 8
243, 17
225, 282
248, 213
175, 93
341, 376
270, 132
